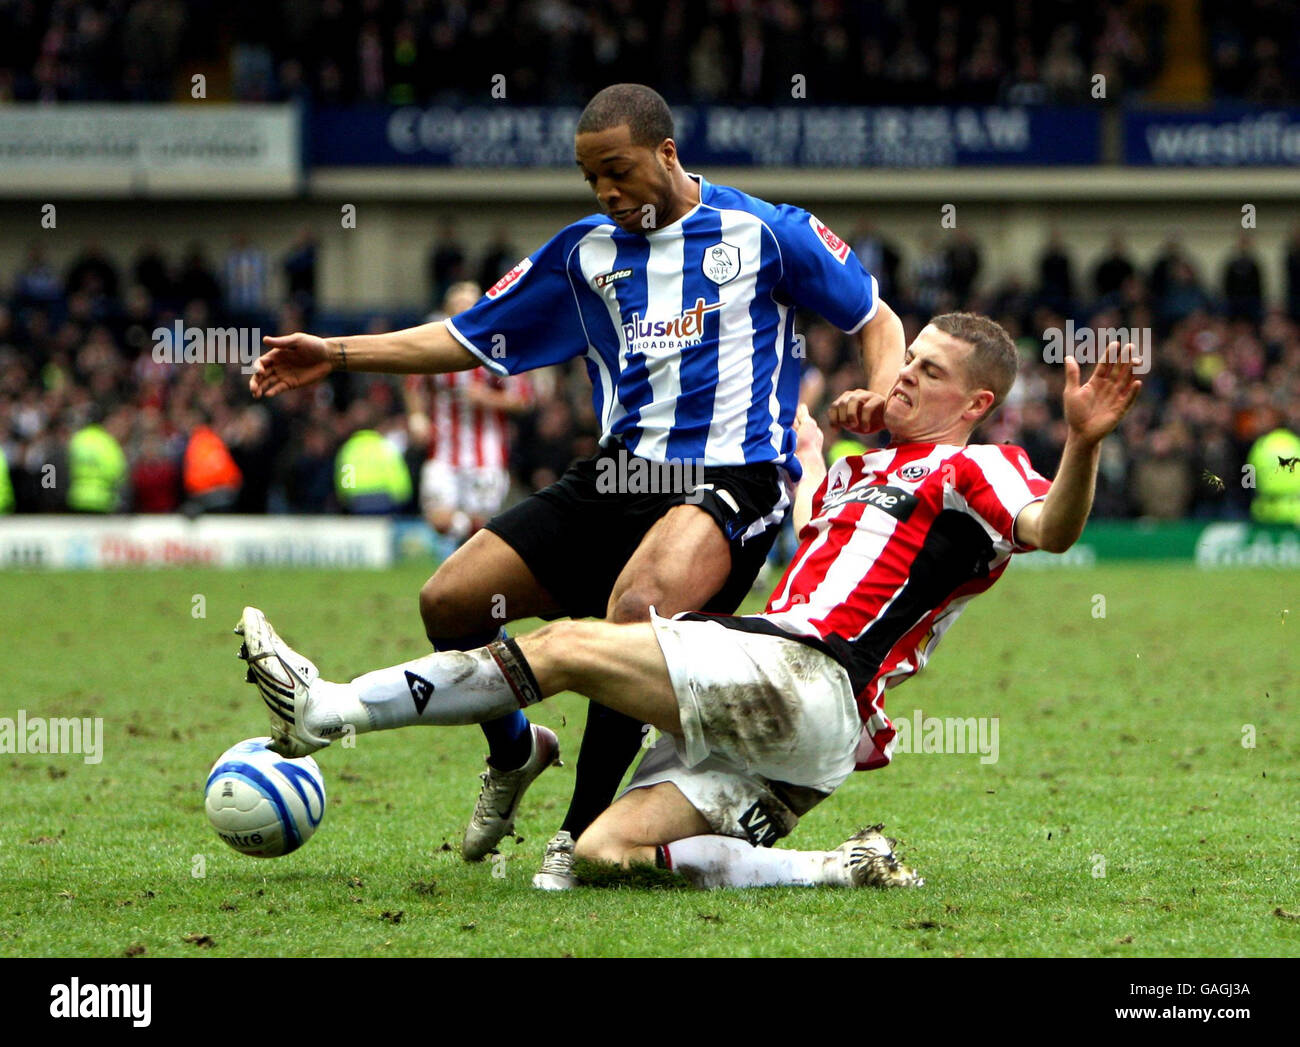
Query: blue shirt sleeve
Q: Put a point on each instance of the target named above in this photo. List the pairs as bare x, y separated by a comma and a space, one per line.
821, 272
527, 319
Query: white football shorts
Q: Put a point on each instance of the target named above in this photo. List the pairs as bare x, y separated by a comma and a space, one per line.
769, 727
475, 490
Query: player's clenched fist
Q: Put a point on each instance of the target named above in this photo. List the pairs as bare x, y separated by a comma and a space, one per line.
858, 411
294, 360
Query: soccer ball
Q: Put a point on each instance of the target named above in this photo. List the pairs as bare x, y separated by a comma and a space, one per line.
261, 803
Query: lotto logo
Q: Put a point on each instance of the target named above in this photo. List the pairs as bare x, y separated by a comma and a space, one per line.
510, 279
605, 279
837, 247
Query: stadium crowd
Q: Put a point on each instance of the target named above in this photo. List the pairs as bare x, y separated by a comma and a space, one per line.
81, 376
559, 51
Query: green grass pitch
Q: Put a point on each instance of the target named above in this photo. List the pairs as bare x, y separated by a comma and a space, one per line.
1123, 817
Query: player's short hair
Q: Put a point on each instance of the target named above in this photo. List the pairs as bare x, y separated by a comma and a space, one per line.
648, 118
993, 359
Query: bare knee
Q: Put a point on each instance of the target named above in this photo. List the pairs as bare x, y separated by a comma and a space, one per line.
433, 608
448, 610
633, 604
596, 845
562, 654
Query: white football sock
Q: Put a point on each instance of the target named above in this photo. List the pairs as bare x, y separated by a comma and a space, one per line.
447, 687
723, 861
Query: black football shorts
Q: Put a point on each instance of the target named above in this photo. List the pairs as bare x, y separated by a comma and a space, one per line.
577, 535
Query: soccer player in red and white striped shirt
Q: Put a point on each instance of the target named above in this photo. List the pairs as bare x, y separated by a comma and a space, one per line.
765, 715
463, 416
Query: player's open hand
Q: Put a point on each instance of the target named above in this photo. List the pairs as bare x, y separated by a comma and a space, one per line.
294, 360
858, 411
1093, 410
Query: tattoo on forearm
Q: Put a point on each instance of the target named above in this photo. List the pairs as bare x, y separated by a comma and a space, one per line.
343, 355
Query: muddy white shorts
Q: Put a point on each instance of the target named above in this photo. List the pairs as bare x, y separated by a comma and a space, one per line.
476, 490
769, 727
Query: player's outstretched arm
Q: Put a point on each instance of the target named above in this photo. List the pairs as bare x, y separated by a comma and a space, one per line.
298, 359
1092, 412
883, 344
808, 449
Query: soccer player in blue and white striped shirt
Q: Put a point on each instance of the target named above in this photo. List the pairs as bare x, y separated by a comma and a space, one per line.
680, 295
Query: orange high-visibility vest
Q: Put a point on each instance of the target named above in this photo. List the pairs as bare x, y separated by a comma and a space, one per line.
208, 465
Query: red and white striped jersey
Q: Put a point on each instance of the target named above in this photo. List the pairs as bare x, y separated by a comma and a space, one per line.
900, 540
465, 434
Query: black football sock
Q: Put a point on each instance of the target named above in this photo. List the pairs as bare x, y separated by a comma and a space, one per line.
610, 743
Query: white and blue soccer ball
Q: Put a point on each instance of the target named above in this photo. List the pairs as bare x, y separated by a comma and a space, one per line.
261, 803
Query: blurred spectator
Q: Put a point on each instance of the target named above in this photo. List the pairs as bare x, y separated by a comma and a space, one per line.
300, 271
91, 273
245, 283
1171, 254
153, 274
1183, 295
97, 470
251, 449
311, 476
6, 485
1161, 475
150, 49
1037, 437
211, 477
963, 264
197, 280
370, 475
37, 283
1292, 263
252, 62
931, 278
156, 478
1056, 276
1113, 270
879, 257
1243, 287
447, 263
1064, 74
1275, 458
498, 257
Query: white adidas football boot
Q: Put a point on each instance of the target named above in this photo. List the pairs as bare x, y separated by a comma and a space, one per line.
498, 799
869, 861
284, 679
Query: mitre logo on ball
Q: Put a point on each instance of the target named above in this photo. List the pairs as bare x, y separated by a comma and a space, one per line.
721, 262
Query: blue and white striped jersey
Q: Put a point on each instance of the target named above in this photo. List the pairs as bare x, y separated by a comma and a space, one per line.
688, 331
